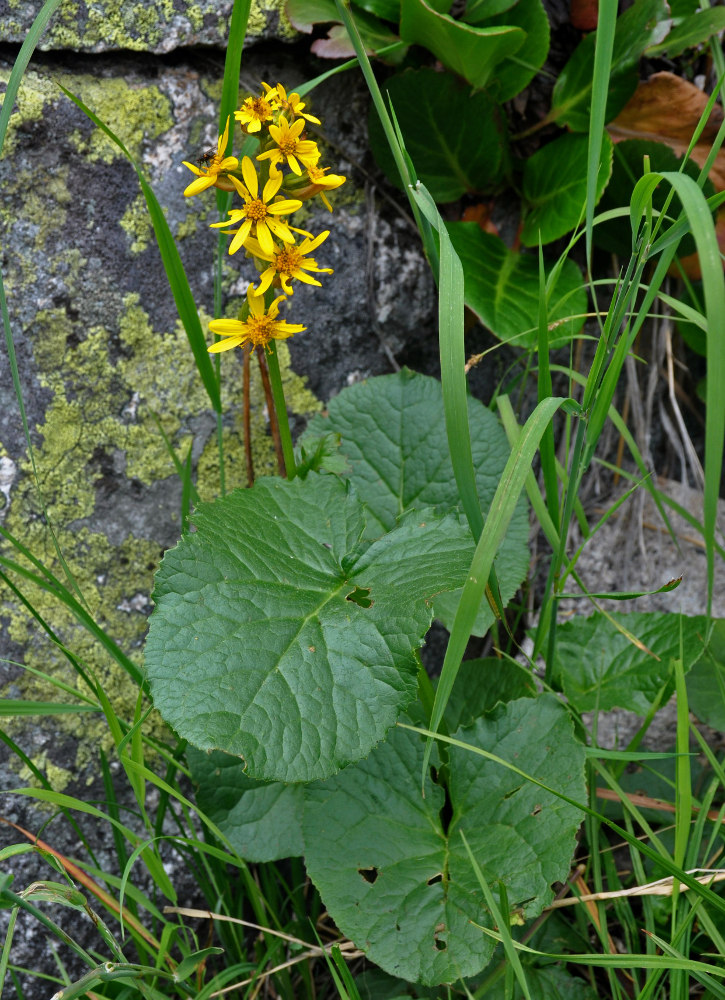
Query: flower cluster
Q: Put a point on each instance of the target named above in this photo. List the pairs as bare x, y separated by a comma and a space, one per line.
272, 186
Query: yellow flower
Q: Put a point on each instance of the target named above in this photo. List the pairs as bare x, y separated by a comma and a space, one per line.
289, 103
290, 147
261, 326
254, 111
259, 213
288, 262
208, 175
320, 182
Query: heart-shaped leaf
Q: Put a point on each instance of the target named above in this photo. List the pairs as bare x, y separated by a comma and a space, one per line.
706, 681
279, 637
393, 435
261, 819
393, 870
599, 667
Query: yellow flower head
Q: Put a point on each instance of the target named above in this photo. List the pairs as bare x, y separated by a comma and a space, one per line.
288, 262
290, 147
320, 182
208, 175
290, 104
261, 326
254, 111
259, 214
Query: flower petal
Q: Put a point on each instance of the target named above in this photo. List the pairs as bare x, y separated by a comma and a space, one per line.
238, 241
200, 184
265, 237
250, 176
226, 345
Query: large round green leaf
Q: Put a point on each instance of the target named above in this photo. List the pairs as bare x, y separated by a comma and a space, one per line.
393, 434
599, 666
555, 186
457, 141
502, 287
400, 884
261, 819
280, 637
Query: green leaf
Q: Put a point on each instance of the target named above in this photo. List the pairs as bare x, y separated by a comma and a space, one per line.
400, 884
481, 685
261, 819
545, 983
645, 23
480, 10
555, 187
191, 963
517, 71
394, 438
692, 31
706, 681
255, 646
472, 53
389, 10
502, 289
600, 668
457, 141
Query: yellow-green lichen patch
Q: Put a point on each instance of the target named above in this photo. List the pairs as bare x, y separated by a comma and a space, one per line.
135, 113
136, 223
106, 385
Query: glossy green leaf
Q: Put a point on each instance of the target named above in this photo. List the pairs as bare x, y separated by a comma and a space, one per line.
692, 31
279, 637
706, 681
555, 187
400, 884
645, 23
389, 10
261, 819
517, 71
480, 10
457, 141
394, 438
471, 52
502, 288
598, 667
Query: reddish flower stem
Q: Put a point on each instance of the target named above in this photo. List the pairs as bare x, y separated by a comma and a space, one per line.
273, 422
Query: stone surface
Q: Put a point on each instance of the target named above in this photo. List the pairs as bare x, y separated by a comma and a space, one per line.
141, 26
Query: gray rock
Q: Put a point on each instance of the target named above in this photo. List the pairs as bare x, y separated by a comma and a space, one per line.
141, 26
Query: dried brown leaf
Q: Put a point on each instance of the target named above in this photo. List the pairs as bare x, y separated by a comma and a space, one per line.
666, 109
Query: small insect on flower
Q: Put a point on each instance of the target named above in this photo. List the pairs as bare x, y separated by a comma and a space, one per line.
206, 157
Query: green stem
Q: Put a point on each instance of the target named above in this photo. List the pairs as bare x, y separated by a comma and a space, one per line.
280, 406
